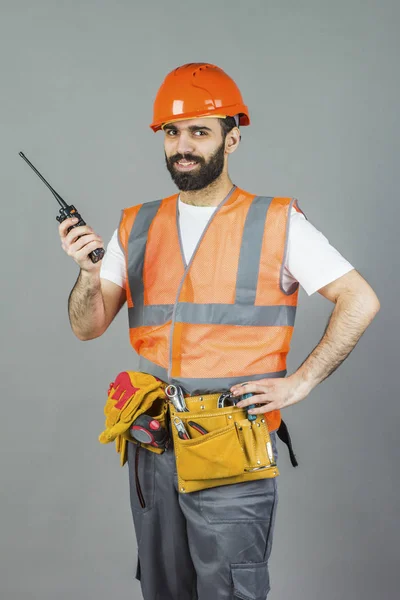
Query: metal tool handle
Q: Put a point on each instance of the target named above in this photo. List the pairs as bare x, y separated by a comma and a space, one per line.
175, 395
181, 429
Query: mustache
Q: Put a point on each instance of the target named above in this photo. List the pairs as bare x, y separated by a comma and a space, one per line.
177, 157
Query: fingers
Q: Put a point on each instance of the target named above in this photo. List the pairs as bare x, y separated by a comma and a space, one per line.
260, 395
264, 399
272, 393
83, 242
251, 387
63, 227
70, 237
79, 243
82, 254
265, 408
255, 399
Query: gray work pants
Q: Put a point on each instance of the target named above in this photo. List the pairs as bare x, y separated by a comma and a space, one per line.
212, 544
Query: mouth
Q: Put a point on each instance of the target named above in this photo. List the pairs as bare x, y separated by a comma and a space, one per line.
185, 165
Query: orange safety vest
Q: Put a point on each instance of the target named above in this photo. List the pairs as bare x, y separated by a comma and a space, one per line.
222, 319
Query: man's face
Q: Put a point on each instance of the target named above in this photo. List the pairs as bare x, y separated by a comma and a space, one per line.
194, 152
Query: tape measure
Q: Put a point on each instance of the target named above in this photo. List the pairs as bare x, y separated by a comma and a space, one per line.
148, 430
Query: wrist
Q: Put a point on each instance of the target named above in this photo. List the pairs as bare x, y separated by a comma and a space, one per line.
302, 385
91, 278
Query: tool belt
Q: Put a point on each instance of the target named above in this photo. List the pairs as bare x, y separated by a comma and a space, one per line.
222, 445
230, 449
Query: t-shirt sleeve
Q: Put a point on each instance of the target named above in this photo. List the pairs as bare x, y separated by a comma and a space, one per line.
113, 263
311, 259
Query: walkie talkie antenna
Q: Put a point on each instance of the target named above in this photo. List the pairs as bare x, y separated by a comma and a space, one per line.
67, 212
57, 196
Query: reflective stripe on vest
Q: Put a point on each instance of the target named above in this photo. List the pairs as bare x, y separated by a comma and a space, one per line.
223, 318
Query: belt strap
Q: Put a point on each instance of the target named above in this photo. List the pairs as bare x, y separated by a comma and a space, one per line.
205, 397
283, 434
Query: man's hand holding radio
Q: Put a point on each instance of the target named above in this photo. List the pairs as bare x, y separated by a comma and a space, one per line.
79, 242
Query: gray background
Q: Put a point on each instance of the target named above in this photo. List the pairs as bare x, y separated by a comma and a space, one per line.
78, 79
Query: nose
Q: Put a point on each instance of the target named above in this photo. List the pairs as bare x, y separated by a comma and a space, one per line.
185, 144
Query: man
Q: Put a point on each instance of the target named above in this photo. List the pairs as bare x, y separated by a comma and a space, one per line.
211, 281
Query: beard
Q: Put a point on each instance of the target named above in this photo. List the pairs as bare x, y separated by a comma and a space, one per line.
198, 179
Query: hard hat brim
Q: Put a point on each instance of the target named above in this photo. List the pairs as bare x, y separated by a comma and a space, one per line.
228, 111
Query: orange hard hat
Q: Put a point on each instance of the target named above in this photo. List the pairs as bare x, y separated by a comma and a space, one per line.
198, 90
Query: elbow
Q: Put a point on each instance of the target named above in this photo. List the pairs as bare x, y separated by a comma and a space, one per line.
86, 336
373, 304
365, 302
368, 299
376, 308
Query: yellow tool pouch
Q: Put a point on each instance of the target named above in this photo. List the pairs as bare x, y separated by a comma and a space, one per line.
232, 450
132, 394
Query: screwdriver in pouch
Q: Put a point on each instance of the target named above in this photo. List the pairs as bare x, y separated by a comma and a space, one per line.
66, 212
249, 416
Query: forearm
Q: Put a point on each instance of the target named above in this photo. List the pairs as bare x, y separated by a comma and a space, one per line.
350, 318
86, 306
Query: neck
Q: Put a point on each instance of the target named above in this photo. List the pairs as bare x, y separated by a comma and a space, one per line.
212, 195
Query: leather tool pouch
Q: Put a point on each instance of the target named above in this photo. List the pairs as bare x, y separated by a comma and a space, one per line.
234, 449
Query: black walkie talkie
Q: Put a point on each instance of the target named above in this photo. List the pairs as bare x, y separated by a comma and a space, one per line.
67, 211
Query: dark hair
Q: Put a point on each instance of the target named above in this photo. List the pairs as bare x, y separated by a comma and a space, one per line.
226, 125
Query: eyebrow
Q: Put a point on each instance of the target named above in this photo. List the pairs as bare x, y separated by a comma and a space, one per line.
192, 128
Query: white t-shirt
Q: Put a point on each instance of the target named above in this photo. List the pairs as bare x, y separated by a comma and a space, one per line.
310, 258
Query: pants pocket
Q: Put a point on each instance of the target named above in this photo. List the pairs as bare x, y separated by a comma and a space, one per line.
250, 580
211, 456
244, 503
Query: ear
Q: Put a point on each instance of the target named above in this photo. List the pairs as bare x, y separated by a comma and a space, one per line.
232, 140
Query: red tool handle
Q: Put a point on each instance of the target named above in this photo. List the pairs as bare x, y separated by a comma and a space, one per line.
197, 427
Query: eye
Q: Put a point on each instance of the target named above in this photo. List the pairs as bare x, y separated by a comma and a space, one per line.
171, 132
199, 133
